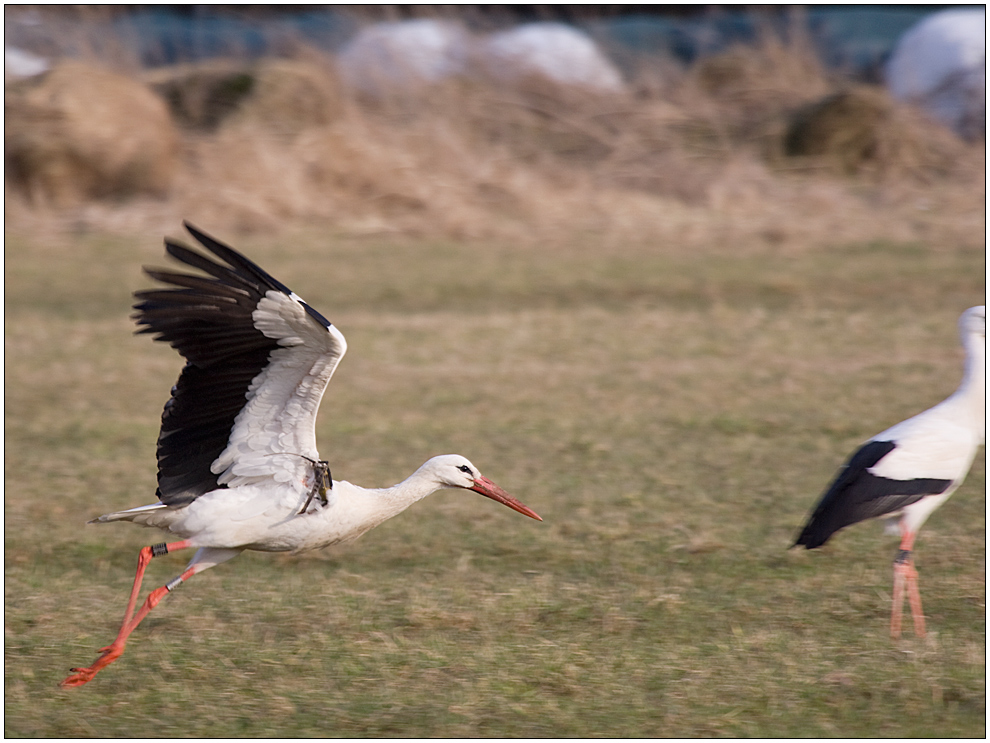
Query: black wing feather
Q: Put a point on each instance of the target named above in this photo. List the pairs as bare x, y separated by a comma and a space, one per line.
856, 495
199, 284
191, 258
237, 260
208, 321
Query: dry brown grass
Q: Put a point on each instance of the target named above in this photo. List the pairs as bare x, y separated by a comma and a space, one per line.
673, 417
684, 155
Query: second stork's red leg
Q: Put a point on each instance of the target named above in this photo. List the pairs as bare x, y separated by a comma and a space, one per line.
914, 599
113, 651
906, 577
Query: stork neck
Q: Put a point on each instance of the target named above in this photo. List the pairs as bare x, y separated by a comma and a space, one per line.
971, 394
414, 488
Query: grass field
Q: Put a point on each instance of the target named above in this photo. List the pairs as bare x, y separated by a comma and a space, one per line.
672, 414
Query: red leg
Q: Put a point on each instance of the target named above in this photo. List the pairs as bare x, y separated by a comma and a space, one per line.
914, 598
895, 612
905, 576
111, 652
144, 557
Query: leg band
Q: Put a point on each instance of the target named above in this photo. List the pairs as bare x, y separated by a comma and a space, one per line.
157, 550
903, 556
173, 584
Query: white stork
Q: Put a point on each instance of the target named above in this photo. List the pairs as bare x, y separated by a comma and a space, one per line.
911, 469
238, 467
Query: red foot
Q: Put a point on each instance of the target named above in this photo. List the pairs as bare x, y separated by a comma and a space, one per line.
82, 676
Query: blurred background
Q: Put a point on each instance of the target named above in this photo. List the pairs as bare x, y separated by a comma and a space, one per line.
480, 121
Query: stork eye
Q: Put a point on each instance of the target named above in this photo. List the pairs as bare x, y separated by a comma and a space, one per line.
464, 468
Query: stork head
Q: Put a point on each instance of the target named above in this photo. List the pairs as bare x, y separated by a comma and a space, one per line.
454, 471
974, 321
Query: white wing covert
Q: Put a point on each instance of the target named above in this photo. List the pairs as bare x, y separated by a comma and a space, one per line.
258, 362
929, 445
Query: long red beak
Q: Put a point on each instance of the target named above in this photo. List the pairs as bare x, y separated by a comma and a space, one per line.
490, 490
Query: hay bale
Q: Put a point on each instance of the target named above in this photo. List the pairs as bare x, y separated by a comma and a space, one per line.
201, 95
864, 130
285, 95
81, 132
290, 95
555, 52
387, 59
20, 63
844, 128
940, 65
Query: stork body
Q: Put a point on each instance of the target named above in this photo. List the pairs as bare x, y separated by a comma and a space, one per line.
909, 470
257, 517
238, 467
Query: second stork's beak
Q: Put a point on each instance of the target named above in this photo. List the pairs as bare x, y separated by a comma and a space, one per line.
490, 490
